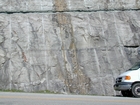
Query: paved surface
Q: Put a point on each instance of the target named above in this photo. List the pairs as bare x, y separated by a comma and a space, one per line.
7, 98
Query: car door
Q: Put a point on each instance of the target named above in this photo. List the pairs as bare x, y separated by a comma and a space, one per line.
139, 74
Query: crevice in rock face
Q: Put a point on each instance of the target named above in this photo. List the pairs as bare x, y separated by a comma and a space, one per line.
131, 46
63, 11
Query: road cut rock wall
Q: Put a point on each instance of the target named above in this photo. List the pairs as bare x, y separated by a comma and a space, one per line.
67, 46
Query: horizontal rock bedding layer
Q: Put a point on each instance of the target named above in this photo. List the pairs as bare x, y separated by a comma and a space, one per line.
66, 5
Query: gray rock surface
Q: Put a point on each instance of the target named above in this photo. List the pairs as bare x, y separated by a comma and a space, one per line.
67, 52
67, 5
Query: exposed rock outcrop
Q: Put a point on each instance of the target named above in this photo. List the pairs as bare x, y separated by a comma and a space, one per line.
81, 48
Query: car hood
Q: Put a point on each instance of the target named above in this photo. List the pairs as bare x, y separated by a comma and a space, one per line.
133, 74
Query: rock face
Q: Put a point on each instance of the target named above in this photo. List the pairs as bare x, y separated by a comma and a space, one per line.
67, 5
67, 46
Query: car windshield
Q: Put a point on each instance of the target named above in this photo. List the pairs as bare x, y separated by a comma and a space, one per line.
135, 67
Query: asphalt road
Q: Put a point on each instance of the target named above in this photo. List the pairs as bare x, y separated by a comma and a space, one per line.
8, 98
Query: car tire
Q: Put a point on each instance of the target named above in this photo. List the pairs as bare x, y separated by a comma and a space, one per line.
127, 93
136, 90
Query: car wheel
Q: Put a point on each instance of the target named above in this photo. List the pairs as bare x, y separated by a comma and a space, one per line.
136, 90
127, 93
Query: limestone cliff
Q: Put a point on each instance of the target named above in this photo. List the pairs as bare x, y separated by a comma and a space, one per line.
67, 46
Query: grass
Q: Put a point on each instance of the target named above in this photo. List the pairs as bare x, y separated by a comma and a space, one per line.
44, 91
14, 90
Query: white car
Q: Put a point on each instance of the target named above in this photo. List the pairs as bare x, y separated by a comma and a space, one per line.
129, 82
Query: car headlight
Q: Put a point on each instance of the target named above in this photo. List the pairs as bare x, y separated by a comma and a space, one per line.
127, 78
